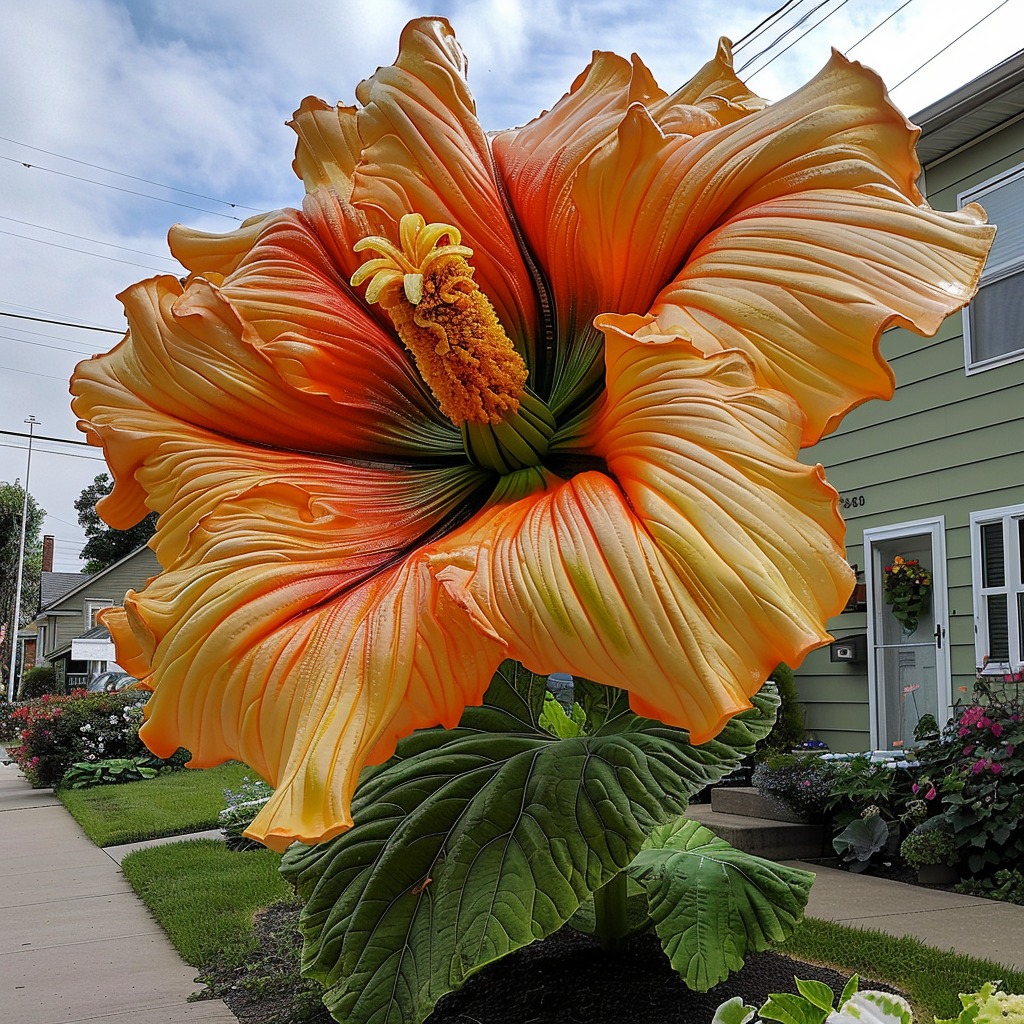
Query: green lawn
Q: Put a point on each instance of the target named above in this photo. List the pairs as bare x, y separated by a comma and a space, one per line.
932, 979
205, 896
188, 800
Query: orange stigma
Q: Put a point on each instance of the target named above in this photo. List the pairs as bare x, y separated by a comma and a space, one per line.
461, 350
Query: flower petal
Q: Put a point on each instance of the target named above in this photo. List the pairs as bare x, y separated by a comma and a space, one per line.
315, 333
706, 557
425, 152
285, 632
806, 285
191, 357
826, 178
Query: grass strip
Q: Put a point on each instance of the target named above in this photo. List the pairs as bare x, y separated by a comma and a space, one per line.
174, 803
205, 896
932, 979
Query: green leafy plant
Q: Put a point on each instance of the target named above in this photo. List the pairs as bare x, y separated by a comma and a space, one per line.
243, 805
475, 841
861, 840
108, 771
1007, 884
931, 842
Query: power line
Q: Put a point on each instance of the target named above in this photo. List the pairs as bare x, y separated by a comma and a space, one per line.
59, 323
778, 39
41, 437
81, 353
117, 188
42, 334
888, 17
32, 373
764, 24
49, 451
84, 252
823, 18
85, 238
948, 45
133, 177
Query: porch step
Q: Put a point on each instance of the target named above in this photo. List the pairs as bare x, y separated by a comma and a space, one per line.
748, 801
773, 840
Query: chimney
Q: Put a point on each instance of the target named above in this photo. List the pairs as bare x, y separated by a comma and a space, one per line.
47, 554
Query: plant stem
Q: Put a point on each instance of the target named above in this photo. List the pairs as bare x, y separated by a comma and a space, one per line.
611, 924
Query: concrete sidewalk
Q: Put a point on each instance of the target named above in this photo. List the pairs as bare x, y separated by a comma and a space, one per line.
76, 943
945, 920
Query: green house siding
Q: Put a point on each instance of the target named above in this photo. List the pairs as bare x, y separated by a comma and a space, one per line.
948, 444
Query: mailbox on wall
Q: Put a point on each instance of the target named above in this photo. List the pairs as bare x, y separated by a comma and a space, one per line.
851, 649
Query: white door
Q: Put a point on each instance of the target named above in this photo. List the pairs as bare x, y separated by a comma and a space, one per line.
908, 672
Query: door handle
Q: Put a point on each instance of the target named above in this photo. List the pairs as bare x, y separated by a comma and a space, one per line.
939, 634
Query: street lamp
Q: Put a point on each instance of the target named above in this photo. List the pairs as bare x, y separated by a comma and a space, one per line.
31, 421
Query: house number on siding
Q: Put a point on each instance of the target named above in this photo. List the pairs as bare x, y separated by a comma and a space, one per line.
852, 501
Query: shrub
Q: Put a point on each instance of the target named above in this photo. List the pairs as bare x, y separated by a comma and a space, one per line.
931, 842
1007, 884
8, 729
983, 788
36, 682
55, 732
788, 731
800, 781
861, 783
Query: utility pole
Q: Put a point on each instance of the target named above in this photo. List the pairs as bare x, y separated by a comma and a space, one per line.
32, 422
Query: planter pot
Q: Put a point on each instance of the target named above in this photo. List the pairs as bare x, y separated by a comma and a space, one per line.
937, 874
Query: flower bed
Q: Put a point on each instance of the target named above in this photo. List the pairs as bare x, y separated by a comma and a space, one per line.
52, 732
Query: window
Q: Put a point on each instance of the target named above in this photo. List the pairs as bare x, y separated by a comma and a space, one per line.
992, 335
92, 609
997, 558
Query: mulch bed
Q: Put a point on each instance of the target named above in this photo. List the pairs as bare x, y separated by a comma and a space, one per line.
567, 979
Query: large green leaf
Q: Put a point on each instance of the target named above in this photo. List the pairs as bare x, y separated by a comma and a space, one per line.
713, 904
475, 841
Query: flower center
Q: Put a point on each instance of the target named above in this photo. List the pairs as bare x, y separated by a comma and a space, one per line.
460, 348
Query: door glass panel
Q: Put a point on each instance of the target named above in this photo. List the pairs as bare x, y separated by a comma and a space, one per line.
907, 677
891, 630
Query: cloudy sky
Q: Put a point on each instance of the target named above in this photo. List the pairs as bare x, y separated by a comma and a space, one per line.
116, 104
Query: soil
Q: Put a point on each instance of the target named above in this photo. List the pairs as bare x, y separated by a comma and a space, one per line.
566, 978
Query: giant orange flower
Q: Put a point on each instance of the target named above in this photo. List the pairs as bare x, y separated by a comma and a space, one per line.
555, 418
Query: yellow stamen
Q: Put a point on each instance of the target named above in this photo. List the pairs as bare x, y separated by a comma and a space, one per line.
444, 320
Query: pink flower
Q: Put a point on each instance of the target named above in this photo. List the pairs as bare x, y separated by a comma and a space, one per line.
1010, 749
979, 766
968, 750
996, 767
997, 729
984, 723
932, 792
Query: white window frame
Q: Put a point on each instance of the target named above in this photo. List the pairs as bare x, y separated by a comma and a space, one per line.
1013, 584
991, 274
92, 607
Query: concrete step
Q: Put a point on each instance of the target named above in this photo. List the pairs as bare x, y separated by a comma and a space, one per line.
774, 840
746, 800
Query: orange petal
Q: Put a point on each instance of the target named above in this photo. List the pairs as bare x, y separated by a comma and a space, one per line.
317, 336
289, 633
191, 357
708, 555
425, 152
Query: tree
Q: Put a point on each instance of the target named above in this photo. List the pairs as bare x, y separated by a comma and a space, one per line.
105, 546
12, 500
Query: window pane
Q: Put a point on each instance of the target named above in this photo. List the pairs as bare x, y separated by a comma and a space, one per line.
1020, 551
998, 628
1004, 206
996, 314
993, 573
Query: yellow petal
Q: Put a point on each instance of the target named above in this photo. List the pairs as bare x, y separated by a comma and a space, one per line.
705, 557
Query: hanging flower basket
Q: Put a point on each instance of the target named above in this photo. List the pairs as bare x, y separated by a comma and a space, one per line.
908, 588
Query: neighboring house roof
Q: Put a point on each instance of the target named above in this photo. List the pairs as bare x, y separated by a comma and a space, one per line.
83, 580
55, 585
983, 105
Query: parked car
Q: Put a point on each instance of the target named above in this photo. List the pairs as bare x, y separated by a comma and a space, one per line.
110, 681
